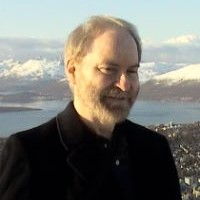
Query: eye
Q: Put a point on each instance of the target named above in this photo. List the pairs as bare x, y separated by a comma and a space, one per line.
132, 70
108, 70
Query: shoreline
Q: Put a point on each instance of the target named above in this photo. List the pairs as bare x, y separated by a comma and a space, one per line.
5, 109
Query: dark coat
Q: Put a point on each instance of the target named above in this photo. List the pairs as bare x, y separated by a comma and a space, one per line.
63, 160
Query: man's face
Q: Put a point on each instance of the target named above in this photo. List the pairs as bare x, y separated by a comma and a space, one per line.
106, 80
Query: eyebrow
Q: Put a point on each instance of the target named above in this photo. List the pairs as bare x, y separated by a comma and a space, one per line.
137, 65
110, 63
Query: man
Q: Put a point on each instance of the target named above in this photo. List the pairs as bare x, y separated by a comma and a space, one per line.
90, 150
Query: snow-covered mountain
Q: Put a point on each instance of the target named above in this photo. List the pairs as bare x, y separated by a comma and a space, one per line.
39, 76
45, 78
42, 69
181, 85
187, 73
149, 70
34, 69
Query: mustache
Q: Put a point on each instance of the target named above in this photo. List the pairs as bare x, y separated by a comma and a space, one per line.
116, 93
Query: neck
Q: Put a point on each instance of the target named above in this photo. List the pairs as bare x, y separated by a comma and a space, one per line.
100, 127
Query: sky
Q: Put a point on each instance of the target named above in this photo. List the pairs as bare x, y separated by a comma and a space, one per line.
164, 25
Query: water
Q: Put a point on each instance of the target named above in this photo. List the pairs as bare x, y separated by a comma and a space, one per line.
143, 112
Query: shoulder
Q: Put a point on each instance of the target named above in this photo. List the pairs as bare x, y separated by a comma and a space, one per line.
148, 144
144, 137
138, 130
12, 151
39, 140
152, 156
17, 158
37, 134
14, 170
41, 145
43, 130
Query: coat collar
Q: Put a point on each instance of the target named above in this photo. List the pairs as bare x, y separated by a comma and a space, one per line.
73, 132
83, 145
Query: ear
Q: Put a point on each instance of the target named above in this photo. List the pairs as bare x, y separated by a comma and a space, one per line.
70, 71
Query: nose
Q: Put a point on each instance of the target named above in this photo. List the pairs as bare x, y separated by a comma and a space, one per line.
123, 83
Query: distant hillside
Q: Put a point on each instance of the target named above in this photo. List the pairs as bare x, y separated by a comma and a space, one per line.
42, 69
17, 109
179, 85
38, 79
185, 74
31, 70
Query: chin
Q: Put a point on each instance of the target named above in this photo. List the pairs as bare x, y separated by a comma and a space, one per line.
118, 116
121, 118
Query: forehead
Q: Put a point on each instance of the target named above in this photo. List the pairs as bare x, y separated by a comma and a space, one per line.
115, 42
114, 36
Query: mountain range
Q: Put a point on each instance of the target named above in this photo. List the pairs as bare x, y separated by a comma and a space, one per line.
182, 84
45, 79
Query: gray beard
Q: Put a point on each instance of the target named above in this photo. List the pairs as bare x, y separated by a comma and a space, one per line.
103, 108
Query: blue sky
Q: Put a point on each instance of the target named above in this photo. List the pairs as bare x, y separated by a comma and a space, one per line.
156, 19
169, 29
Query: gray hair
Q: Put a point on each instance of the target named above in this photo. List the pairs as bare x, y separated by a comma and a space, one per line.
82, 37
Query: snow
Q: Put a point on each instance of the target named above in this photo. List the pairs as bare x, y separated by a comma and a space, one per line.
149, 70
32, 69
35, 69
187, 73
43, 69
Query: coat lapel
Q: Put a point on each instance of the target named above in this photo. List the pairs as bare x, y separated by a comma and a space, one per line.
87, 161
84, 156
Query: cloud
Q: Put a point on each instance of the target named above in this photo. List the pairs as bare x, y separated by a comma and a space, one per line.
27, 48
184, 40
182, 49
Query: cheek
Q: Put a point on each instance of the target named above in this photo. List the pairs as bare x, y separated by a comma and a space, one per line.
102, 81
135, 85
134, 81
81, 77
